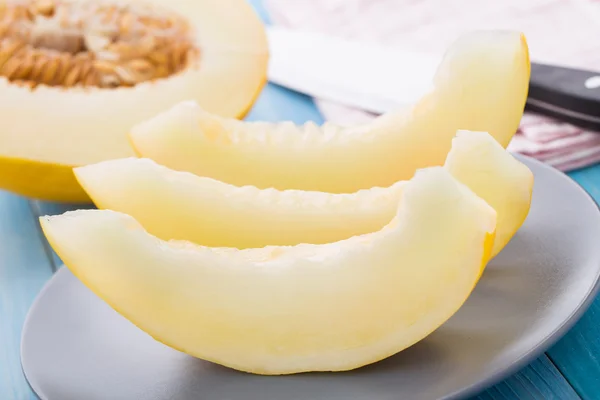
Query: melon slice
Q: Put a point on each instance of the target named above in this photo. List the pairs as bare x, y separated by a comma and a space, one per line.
505, 183
115, 65
481, 84
281, 310
179, 205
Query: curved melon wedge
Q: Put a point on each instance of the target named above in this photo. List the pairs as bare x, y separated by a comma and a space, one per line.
481, 84
505, 183
179, 205
281, 310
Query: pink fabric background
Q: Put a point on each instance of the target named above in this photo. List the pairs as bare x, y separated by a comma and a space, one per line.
563, 32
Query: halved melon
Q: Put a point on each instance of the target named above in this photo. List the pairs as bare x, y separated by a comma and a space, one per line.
281, 310
76, 75
179, 205
481, 84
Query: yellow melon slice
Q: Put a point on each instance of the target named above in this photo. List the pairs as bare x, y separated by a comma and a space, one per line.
179, 205
481, 84
281, 310
69, 95
505, 183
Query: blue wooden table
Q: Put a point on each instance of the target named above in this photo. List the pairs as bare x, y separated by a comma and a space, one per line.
569, 370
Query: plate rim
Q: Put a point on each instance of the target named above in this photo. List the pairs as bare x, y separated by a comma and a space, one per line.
468, 391
552, 338
36, 390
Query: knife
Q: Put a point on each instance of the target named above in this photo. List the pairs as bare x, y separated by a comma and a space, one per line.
380, 79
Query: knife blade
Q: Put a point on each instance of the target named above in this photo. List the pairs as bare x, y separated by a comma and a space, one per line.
370, 77
380, 79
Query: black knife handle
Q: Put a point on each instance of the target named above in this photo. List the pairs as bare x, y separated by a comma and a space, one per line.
569, 94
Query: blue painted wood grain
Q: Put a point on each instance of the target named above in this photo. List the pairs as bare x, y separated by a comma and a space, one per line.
24, 268
539, 380
277, 103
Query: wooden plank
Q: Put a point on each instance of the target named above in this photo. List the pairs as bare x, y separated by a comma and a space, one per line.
24, 268
539, 380
277, 103
589, 179
577, 354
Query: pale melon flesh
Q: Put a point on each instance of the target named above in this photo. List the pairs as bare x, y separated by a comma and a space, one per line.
179, 205
497, 177
281, 310
480, 85
48, 131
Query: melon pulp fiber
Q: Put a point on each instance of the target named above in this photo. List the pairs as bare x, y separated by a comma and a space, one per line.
50, 129
480, 85
282, 310
179, 205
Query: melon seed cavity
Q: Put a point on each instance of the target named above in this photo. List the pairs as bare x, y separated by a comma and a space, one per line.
91, 44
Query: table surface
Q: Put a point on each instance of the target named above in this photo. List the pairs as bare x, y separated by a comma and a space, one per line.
568, 370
